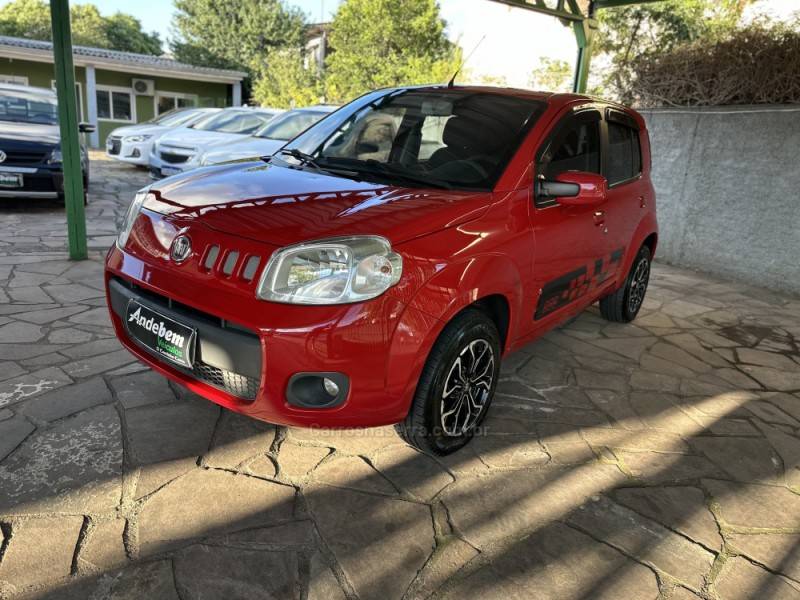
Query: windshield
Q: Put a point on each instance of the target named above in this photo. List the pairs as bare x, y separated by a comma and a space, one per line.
229, 121
450, 138
289, 125
28, 107
175, 117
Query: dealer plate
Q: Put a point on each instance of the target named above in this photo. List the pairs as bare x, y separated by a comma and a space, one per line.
11, 180
160, 334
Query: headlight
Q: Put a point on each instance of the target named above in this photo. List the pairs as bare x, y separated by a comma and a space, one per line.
55, 156
137, 138
334, 271
130, 218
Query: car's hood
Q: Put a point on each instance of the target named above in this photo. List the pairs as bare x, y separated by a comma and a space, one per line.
284, 206
29, 132
192, 138
246, 148
140, 130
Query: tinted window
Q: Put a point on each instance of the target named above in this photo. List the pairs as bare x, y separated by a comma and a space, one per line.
451, 138
624, 154
576, 148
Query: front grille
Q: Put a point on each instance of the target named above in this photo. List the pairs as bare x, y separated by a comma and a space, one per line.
15, 157
242, 386
173, 159
235, 384
115, 145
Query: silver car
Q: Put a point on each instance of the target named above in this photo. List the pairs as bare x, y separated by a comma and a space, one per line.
270, 138
181, 150
133, 144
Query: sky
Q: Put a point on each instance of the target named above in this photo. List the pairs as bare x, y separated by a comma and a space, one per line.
515, 40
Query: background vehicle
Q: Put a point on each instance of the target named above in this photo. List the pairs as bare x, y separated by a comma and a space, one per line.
181, 150
388, 257
134, 143
30, 144
271, 137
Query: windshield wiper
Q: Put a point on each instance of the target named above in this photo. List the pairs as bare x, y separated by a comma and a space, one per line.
308, 160
302, 157
384, 170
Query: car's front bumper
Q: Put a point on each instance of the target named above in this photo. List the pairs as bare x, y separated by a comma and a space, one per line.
37, 182
248, 344
137, 153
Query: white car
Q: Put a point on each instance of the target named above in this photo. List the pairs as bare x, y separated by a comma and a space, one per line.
181, 150
133, 144
270, 138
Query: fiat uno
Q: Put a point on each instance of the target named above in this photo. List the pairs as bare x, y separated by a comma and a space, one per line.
378, 267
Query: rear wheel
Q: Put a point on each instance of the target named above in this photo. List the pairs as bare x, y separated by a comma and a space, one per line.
456, 387
623, 305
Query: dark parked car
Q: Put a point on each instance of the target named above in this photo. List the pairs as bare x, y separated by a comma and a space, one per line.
30, 145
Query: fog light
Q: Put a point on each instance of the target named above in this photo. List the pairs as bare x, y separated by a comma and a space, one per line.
317, 390
330, 387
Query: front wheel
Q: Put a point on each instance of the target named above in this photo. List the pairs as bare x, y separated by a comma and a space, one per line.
456, 387
623, 305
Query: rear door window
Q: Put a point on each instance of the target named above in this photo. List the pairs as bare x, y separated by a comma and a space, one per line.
624, 160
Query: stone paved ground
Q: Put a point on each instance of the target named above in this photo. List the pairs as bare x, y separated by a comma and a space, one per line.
654, 460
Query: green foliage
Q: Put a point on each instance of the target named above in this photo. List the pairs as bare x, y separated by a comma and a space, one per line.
287, 82
235, 33
630, 33
31, 19
380, 43
552, 75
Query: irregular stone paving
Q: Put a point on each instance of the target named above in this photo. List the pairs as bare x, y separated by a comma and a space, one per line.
654, 460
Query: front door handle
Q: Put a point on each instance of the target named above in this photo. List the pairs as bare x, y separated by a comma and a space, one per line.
599, 217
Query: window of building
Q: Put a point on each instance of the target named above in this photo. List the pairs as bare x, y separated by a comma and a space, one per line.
169, 101
624, 154
18, 79
114, 105
78, 97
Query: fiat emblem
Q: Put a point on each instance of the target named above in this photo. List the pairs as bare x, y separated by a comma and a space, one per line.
181, 248
3, 156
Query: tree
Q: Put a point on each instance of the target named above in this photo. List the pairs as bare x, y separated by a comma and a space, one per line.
552, 75
288, 82
235, 33
31, 19
629, 33
380, 43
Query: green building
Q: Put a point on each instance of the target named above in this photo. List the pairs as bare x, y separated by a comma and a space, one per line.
120, 88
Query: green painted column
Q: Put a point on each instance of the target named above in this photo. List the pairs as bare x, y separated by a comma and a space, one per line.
584, 34
68, 123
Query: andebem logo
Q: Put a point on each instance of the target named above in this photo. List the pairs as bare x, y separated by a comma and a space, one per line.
158, 328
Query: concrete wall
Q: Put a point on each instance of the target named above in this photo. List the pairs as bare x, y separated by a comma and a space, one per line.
728, 186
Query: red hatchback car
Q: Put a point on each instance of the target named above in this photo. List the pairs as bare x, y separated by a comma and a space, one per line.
377, 268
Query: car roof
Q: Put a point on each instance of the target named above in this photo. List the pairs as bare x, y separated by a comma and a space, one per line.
16, 87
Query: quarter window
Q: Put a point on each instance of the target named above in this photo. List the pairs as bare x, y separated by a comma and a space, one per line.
576, 148
114, 105
624, 153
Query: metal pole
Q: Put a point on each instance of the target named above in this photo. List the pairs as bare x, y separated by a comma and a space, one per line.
584, 35
68, 123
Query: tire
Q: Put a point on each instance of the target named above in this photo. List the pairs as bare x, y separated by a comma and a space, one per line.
623, 305
439, 422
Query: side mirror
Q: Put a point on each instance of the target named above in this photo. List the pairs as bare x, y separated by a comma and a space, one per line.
574, 188
86, 127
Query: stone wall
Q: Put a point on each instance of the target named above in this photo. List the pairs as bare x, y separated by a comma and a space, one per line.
728, 188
